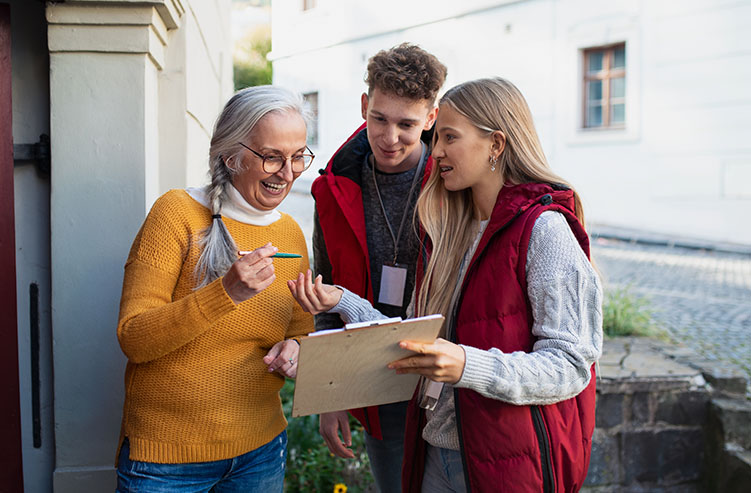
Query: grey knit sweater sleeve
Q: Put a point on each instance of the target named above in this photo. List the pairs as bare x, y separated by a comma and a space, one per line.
566, 298
352, 309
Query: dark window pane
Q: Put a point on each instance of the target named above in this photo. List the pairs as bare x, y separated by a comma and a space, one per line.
618, 87
618, 113
594, 116
619, 57
595, 59
311, 99
594, 90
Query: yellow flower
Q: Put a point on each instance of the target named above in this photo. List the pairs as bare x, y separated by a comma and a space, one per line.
340, 488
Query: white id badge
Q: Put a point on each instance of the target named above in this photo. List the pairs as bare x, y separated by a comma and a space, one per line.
432, 393
393, 279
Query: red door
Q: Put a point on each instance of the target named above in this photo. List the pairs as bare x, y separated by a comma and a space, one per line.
11, 472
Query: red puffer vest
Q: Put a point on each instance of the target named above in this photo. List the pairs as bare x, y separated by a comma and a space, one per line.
507, 447
338, 196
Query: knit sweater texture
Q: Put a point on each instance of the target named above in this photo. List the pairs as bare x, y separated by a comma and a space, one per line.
196, 388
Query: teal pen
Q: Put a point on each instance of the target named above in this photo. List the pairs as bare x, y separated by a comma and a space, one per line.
276, 255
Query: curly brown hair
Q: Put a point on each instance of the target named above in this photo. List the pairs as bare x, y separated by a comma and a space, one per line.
406, 71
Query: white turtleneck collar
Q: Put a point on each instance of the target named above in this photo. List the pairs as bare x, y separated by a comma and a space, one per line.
236, 207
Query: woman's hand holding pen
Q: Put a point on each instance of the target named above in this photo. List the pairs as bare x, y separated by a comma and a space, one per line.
441, 361
314, 296
250, 274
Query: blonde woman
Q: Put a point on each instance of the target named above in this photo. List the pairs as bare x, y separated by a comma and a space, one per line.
507, 402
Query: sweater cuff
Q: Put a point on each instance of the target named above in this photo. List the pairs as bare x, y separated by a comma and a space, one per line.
352, 309
213, 301
480, 369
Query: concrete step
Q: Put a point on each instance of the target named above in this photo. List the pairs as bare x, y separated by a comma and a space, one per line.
736, 471
731, 436
735, 416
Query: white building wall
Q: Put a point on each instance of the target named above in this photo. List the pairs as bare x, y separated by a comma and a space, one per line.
210, 47
193, 86
680, 166
135, 88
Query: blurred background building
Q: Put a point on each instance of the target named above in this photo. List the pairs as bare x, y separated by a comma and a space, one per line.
643, 106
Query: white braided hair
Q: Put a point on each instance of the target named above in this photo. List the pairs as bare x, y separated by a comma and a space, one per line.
237, 120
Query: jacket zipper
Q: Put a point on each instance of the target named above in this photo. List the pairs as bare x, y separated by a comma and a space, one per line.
548, 483
368, 428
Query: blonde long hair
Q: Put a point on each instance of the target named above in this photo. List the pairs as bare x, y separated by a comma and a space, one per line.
490, 104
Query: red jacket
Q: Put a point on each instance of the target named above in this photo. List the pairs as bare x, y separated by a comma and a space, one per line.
506, 447
341, 217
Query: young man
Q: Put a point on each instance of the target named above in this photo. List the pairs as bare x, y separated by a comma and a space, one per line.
364, 238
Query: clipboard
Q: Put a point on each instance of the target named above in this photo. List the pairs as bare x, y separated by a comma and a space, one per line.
346, 368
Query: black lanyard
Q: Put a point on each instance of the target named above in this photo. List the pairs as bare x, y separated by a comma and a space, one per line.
415, 179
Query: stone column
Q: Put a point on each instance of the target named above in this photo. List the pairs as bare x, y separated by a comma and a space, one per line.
105, 58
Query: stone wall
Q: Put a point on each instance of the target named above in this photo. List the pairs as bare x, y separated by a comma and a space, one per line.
661, 426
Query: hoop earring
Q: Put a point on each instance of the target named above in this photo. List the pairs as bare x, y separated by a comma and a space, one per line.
493, 162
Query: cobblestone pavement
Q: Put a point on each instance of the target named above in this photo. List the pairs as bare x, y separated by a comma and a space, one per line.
701, 298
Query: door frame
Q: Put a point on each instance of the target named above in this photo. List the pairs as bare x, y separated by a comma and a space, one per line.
11, 458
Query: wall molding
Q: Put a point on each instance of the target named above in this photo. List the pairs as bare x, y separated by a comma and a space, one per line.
117, 26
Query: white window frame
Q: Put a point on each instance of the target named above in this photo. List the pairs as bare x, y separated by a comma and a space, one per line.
593, 35
605, 76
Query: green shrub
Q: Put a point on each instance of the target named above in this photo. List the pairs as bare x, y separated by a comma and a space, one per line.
625, 314
310, 465
250, 65
247, 75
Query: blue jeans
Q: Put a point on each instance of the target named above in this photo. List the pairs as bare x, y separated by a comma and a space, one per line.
386, 455
261, 470
443, 471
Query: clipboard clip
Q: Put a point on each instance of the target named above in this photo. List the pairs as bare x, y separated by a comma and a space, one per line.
372, 323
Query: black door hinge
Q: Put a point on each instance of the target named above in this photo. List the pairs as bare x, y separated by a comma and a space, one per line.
38, 153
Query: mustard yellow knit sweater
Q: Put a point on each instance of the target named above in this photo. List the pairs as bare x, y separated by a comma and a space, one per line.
196, 388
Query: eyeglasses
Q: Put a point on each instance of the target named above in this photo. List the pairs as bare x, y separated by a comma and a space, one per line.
272, 163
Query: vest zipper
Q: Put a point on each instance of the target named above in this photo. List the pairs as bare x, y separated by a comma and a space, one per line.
548, 486
455, 314
467, 483
548, 482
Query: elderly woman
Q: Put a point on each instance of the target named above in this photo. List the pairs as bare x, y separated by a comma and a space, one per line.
206, 320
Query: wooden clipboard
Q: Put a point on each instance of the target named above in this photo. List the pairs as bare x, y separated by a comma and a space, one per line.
346, 368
